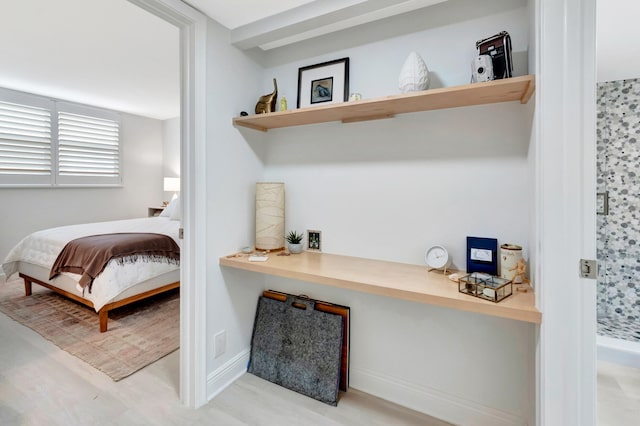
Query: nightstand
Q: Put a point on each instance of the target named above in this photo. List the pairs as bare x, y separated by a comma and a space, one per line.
154, 211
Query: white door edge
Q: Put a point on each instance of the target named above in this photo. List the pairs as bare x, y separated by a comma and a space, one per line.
565, 211
193, 54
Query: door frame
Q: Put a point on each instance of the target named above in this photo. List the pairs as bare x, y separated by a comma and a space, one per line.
565, 211
565, 205
193, 54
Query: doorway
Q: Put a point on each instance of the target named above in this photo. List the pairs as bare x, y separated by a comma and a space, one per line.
618, 208
193, 33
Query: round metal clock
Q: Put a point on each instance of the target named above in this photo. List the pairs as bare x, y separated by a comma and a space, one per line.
437, 257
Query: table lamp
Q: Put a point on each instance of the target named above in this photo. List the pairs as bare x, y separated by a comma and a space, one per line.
269, 216
172, 185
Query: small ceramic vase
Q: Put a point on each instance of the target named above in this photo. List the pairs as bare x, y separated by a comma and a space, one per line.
414, 75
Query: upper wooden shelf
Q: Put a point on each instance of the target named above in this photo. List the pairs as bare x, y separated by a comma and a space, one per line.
505, 90
397, 280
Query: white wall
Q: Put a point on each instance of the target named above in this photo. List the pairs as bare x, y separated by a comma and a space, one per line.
389, 189
26, 210
618, 50
171, 147
462, 367
234, 165
170, 150
375, 67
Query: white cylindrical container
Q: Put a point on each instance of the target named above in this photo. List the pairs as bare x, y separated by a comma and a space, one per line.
510, 254
269, 215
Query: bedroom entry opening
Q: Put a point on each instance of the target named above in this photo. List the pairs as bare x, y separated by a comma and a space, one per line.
176, 140
192, 26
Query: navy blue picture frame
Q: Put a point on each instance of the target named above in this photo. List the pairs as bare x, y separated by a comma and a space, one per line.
477, 251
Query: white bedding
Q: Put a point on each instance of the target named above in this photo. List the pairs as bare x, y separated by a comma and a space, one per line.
42, 248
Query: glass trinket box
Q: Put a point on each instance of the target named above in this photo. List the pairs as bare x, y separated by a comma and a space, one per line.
485, 286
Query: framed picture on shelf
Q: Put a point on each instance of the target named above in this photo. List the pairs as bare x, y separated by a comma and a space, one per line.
314, 239
324, 83
482, 255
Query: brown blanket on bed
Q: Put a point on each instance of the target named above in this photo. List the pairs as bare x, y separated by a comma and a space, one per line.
88, 256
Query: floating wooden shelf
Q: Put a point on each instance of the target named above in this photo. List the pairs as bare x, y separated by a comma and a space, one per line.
506, 90
397, 280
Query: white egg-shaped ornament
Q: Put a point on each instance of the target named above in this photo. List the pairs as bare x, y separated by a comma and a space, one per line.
414, 75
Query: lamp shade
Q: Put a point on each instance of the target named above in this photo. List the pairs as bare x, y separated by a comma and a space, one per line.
171, 184
269, 216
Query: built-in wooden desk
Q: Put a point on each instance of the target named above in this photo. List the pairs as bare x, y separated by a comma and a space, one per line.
391, 279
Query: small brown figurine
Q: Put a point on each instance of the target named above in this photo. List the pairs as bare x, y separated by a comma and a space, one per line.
520, 269
267, 103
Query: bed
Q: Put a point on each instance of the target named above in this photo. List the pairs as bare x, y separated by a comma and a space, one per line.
119, 284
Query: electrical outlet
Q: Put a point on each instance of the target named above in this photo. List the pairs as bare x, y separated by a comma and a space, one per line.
219, 343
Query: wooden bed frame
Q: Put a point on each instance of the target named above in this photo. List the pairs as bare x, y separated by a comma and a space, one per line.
103, 314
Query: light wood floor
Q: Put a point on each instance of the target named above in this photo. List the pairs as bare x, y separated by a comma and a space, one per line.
618, 395
42, 385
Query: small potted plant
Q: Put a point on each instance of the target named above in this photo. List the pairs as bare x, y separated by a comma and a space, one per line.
295, 242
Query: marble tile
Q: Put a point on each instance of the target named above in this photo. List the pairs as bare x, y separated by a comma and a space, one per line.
618, 173
618, 327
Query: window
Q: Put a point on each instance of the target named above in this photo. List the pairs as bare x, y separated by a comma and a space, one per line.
88, 146
25, 139
47, 142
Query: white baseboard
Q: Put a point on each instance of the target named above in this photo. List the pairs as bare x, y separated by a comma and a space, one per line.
229, 372
430, 401
618, 351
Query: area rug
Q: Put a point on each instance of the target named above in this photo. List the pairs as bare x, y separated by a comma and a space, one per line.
138, 334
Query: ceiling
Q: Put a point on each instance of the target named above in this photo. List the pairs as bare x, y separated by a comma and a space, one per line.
94, 51
106, 53
271, 24
233, 14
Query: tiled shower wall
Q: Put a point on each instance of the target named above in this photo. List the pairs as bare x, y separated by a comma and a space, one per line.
618, 163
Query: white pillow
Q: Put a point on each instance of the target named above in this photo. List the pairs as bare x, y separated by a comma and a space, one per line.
176, 214
169, 209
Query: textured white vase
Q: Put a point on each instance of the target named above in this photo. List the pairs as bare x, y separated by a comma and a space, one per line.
414, 75
269, 216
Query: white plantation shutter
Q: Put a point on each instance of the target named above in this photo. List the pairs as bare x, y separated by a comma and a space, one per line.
25, 144
44, 142
88, 148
